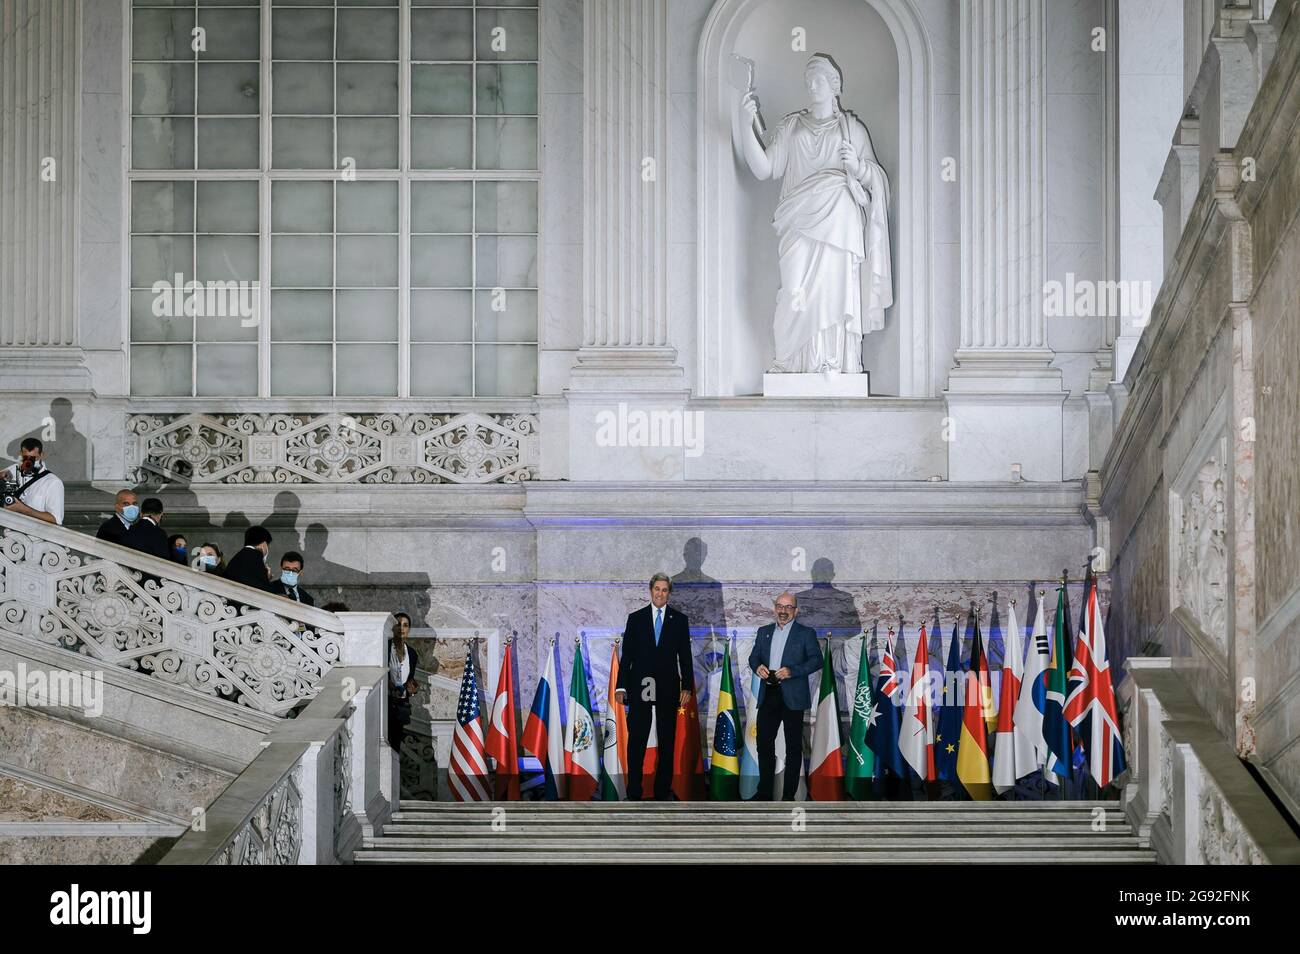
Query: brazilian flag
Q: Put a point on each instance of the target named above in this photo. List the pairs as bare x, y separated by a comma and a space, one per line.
724, 770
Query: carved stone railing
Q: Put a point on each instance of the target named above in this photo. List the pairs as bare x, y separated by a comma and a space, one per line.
165, 620
1187, 791
366, 447
321, 783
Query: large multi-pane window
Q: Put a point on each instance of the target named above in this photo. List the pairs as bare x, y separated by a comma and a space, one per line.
371, 165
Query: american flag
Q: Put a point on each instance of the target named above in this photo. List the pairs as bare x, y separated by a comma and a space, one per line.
468, 773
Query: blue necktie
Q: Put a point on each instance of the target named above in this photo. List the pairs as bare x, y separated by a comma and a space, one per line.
659, 624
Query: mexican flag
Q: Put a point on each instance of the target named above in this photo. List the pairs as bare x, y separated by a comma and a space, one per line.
724, 768
861, 761
826, 769
581, 762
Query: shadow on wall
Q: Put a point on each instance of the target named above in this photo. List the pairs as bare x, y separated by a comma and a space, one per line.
697, 594
825, 608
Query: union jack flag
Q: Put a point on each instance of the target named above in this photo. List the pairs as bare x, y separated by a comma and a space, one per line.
891, 683
1090, 705
467, 775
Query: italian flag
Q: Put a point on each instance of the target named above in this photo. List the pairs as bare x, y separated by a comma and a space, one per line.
826, 769
724, 767
581, 763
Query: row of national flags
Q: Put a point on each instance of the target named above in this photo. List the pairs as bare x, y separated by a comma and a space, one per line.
1055, 710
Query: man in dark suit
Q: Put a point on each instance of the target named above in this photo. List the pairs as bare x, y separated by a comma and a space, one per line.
125, 513
655, 675
290, 574
785, 654
146, 534
248, 566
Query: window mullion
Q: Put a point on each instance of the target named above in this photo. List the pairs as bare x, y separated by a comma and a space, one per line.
404, 201
264, 209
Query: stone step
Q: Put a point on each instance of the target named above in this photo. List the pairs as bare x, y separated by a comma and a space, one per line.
688, 829
800, 842
882, 855
1034, 808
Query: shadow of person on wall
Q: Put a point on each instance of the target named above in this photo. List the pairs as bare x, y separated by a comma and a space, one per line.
697, 594
67, 454
823, 607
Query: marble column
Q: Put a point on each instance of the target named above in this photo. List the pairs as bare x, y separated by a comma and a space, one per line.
38, 184
1004, 399
626, 363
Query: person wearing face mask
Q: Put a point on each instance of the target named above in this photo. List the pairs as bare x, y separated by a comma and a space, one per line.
126, 511
208, 559
146, 534
248, 566
179, 548
40, 493
290, 574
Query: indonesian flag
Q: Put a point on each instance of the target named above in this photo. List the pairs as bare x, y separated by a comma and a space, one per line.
544, 733
503, 731
1090, 706
826, 768
613, 763
688, 754
916, 735
1006, 770
581, 763
1031, 747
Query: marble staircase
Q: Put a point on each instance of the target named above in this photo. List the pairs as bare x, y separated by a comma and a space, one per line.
757, 833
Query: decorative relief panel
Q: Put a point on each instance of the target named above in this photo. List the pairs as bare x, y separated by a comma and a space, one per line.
171, 629
333, 448
1199, 545
1223, 840
273, 835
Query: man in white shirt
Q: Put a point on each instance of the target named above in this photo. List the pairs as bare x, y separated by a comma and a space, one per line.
40, 492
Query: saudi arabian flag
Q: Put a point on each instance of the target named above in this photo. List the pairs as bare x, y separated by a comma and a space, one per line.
724, 768
861, 763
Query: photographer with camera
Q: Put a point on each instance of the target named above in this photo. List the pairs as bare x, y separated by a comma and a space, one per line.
30, 488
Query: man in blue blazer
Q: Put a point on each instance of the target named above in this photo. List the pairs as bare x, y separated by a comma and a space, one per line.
785, 654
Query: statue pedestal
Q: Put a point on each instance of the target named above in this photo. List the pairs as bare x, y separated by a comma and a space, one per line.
816, 385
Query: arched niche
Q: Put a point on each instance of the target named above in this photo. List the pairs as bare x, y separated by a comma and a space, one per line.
737, 247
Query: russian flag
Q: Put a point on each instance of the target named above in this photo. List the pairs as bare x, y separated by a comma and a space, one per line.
544, 732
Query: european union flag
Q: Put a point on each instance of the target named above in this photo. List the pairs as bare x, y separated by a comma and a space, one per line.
948, 725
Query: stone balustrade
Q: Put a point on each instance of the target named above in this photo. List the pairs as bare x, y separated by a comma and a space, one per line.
322, 782
187, 628
1187, 790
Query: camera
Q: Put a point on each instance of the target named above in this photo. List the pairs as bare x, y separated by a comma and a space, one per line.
9, 489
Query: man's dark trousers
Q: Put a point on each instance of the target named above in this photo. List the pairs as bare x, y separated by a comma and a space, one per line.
638, 736
773, 714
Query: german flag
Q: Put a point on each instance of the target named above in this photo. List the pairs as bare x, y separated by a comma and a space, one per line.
973, 750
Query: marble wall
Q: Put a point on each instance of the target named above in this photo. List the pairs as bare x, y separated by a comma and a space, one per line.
1199, 485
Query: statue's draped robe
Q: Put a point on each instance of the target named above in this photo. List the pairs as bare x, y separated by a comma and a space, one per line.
829, 226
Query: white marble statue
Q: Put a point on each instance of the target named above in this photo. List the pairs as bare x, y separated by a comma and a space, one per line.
832, 221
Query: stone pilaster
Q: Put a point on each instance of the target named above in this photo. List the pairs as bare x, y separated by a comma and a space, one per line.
625, 316
626, 370
1003, 389
38, 190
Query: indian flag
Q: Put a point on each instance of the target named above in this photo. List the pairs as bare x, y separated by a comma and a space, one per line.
826, 770
724, 770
